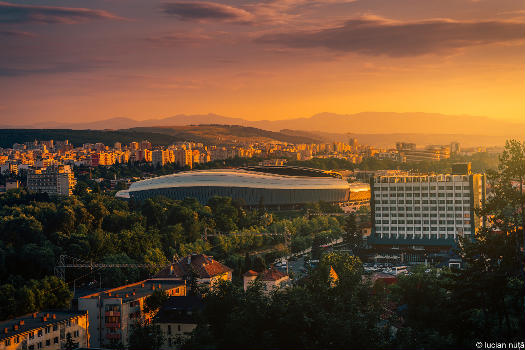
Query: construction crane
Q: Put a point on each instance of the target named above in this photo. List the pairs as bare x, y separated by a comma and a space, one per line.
66, 261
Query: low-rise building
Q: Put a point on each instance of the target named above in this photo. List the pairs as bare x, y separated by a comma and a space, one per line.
177, 319
113, 312
45, 330
205, 269
271, 279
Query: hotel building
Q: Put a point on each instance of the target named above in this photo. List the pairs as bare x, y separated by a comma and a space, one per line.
421, 211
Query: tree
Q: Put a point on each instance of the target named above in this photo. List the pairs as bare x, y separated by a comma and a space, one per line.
155, 301
146, 336
352, 234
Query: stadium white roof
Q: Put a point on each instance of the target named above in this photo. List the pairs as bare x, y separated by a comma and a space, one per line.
235, 178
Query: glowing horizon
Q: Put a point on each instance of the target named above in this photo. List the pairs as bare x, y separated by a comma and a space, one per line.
265, 60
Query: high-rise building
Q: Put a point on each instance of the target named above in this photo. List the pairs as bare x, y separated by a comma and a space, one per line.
455, 147
184, 157
145, 144
54, 180
430, 153
161, 157
425, 210
134, 146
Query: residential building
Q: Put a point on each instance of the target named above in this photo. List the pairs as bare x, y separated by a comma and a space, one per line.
177, 319
55, 180
271, 279
113, 312
207, 270
161, 157
184, 157
425, 210
429, 153
45, 330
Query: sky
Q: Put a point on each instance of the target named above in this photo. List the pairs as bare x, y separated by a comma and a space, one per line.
84, 60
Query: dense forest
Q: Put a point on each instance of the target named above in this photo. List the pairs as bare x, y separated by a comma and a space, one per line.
35, 230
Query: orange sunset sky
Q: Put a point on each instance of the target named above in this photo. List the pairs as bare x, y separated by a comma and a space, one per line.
81, 60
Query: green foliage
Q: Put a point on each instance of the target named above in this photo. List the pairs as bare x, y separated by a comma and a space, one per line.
47, 293
312, 316
155, 301
145, 336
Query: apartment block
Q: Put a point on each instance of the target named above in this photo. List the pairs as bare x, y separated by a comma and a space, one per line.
113, 312
54, 180
45, 330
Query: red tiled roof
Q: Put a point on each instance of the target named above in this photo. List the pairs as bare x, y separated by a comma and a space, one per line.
250, 273
272, 274
202, 265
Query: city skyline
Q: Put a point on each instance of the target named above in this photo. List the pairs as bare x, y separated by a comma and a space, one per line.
86, 61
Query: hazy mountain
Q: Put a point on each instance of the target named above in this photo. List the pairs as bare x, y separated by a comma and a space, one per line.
124, 123
359, 123
406, 123
389, 140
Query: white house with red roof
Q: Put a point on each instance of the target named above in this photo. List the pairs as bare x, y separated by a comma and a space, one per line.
271, 279
204, 268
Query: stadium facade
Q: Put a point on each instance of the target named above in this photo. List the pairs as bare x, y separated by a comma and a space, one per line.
279, 186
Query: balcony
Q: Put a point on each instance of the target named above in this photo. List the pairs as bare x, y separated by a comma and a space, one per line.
113, 336
112, 313
112, 325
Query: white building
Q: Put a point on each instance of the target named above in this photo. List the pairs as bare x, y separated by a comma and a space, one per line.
425, 210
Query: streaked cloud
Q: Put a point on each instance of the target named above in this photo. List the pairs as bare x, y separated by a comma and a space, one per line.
16, 34
204, 11
54, 68
181, 39
18, 13
378, 36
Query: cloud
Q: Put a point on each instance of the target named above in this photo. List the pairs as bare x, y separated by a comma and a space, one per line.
203, 11
16, 34
179, 39
378, 36
54, 68
17, 13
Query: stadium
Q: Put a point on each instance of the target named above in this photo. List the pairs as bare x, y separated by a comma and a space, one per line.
270, 186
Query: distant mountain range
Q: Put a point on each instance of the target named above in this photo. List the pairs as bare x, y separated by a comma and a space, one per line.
371, 125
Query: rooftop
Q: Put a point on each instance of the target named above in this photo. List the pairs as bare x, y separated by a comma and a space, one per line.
272, 274
179, 310
204, 266
236, 178
33, 321
137, 290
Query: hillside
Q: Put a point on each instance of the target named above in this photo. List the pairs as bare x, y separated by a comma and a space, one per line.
227, 134
210, 134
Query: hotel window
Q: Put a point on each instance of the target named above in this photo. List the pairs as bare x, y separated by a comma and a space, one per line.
55, 327
48, 342
55, 340
39, 333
